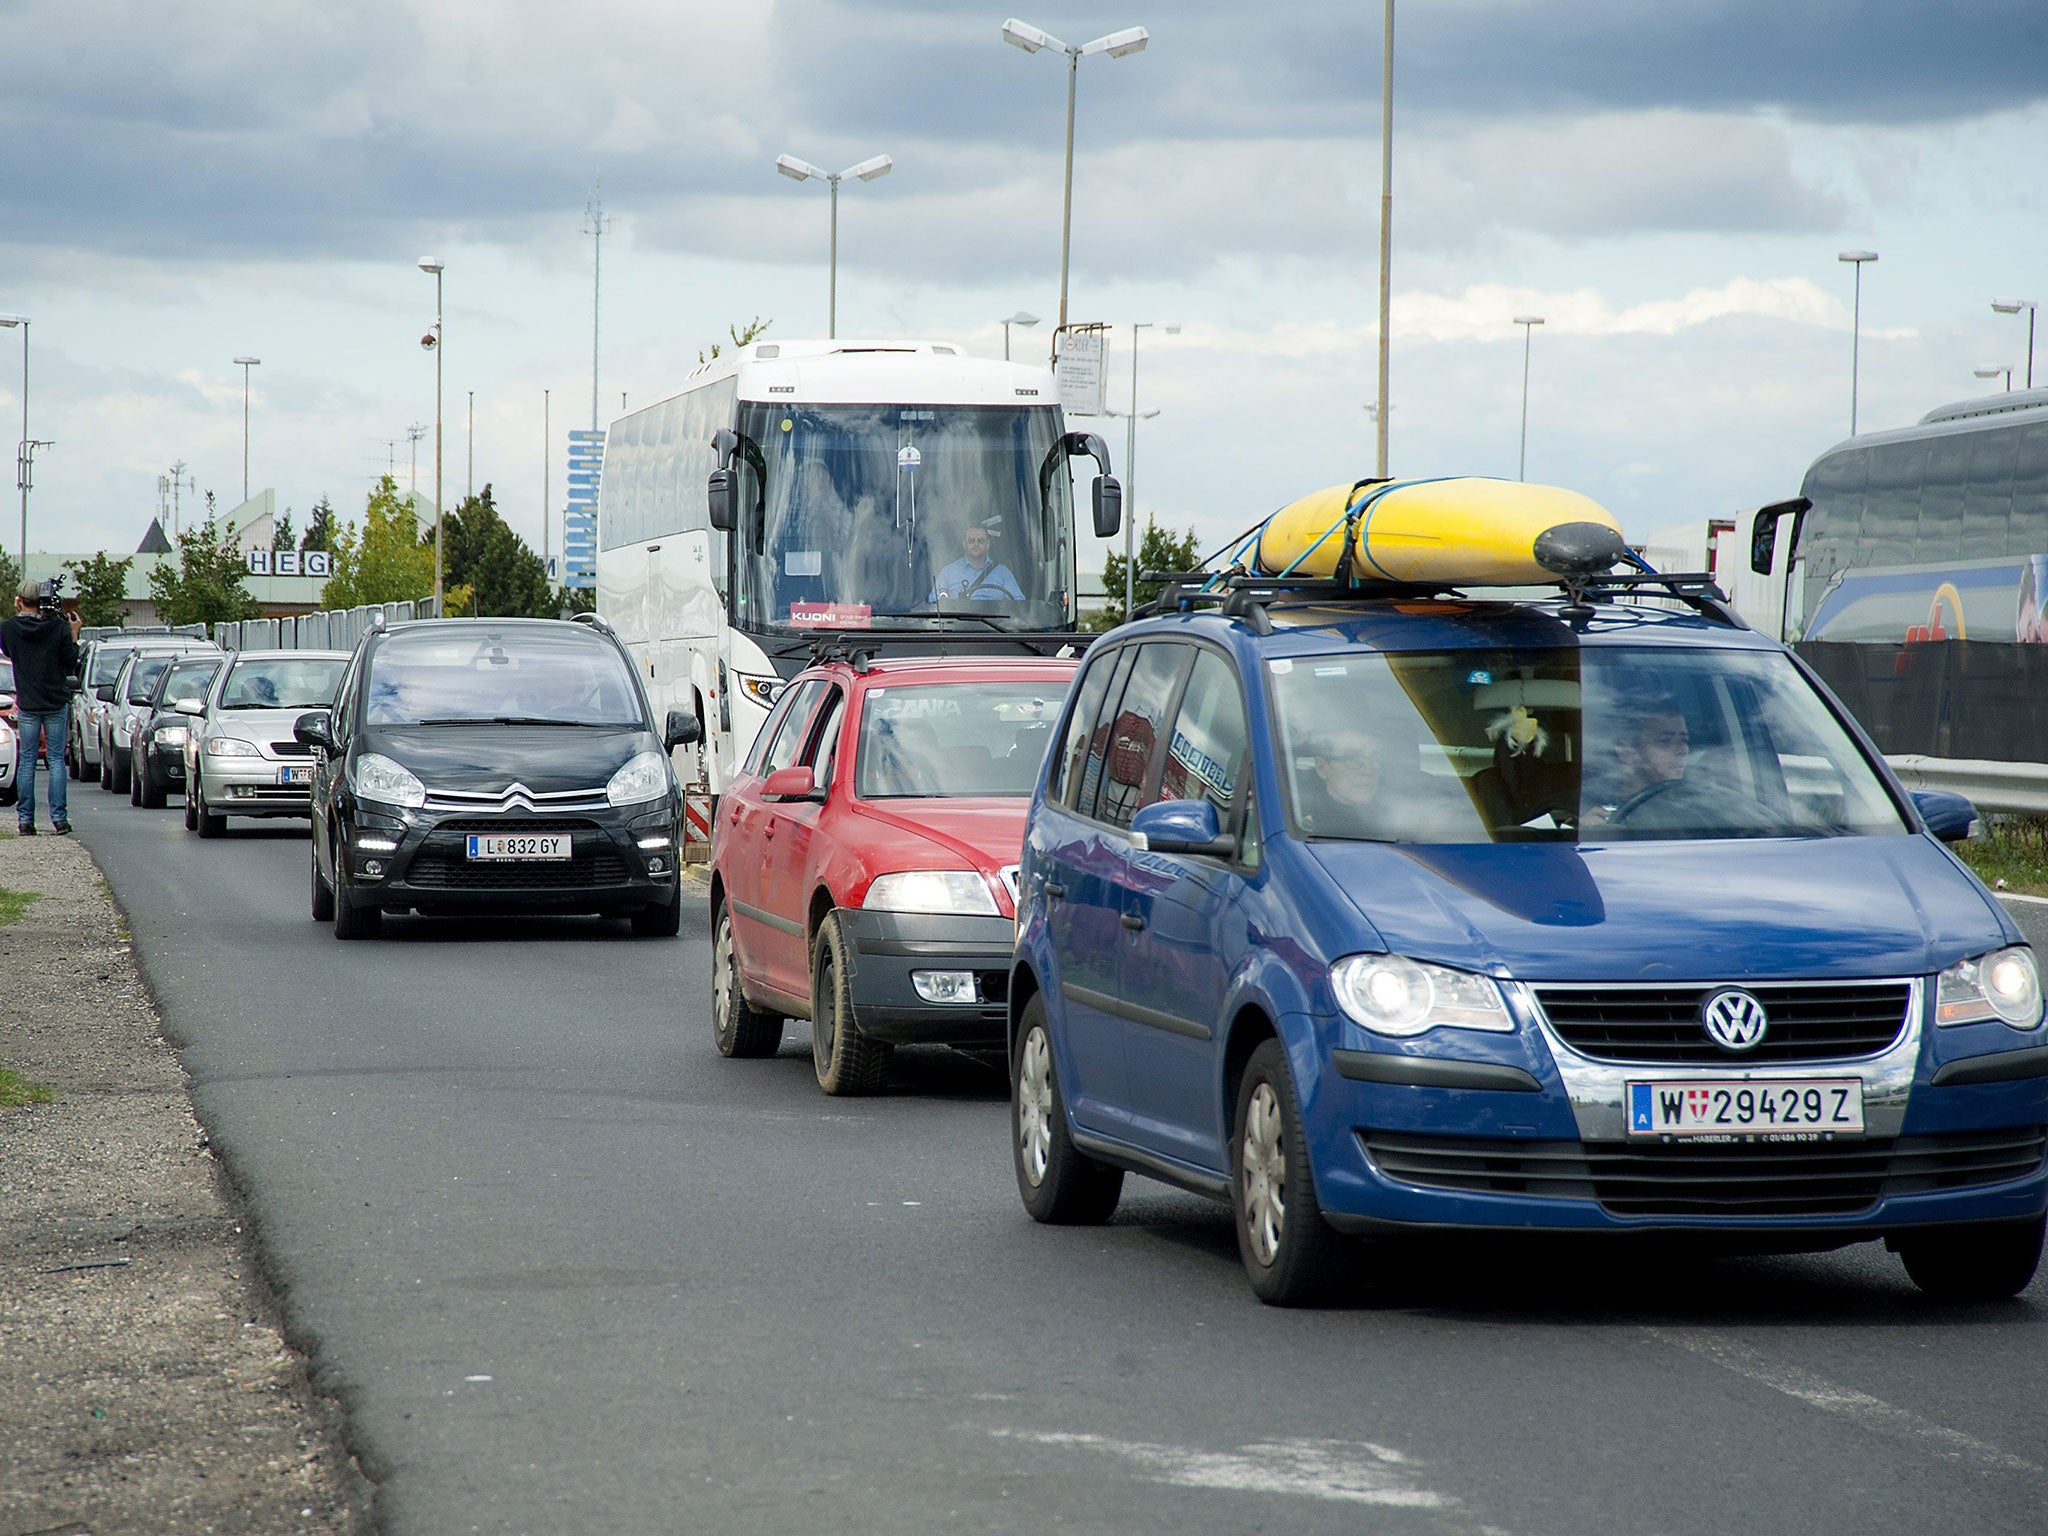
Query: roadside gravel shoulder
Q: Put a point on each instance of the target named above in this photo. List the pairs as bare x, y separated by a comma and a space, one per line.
145, 1384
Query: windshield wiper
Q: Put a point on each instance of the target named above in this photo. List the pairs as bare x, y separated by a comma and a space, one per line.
600, 725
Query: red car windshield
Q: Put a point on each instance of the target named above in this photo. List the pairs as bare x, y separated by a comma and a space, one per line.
944, 740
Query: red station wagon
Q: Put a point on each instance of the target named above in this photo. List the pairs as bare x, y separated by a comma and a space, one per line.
864, 861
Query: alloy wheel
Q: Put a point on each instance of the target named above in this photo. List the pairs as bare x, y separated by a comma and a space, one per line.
1264, 1159
1034, 1106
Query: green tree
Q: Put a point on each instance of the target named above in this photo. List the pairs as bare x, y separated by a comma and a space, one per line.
101, 585
10, 580
741, 336
385, 562
1159, 550
504, 577
570, 600
284, 537
319, 526
205, 585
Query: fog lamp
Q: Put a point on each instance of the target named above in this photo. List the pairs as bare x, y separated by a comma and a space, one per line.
945, 986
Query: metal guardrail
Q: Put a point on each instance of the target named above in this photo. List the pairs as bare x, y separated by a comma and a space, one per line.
336, 629
2020, 788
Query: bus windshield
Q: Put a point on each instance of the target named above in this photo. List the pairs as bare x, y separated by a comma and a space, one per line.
903, 516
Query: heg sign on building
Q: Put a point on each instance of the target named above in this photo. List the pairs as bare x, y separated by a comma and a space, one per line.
290, 562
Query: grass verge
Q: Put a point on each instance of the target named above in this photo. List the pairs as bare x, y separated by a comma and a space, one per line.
14, 903
2010, 853
17, 1091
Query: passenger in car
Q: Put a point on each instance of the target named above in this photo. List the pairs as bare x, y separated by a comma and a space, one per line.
1652, 753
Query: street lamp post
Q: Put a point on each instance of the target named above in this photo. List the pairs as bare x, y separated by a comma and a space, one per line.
1386, 240
2006, 307
1856, 260
1131, 461
1019, 318
1021, 34
245, 364
1528, 323
802, 170
432, 341
1994, 372
25, 456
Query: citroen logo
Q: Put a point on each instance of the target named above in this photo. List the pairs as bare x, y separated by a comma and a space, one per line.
1734, 1020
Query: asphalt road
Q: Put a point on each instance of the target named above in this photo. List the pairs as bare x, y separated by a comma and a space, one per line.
572, 1272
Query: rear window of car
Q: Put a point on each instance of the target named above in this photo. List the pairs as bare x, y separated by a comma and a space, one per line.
106, 665
945, 740
283, 683
480, 676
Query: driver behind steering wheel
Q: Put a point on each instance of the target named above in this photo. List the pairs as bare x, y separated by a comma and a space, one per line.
1652, 756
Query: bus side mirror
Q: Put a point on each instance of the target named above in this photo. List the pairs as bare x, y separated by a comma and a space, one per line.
1763, 531
722, 495
1109, 506
683, 729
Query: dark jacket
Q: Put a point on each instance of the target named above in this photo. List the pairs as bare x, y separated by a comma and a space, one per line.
45, 660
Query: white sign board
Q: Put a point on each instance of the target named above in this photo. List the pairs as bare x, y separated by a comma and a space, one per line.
290, 562
1079, 372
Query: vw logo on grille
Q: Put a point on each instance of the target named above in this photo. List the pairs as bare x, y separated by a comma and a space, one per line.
1734, 1020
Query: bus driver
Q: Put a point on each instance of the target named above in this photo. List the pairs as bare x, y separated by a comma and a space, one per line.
976, 577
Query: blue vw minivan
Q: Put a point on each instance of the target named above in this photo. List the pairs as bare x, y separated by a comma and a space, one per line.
1375, 915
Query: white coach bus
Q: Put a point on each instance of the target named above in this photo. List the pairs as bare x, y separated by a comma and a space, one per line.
901, 490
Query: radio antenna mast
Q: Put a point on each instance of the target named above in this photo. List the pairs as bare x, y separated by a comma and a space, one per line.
594, 225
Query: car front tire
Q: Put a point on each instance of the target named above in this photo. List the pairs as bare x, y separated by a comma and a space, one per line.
350, 920
154, 791
1059, 1183
659, 922
197, 816
847, 1062
323, 891
739, 1029
1983, 1261
1291, 1255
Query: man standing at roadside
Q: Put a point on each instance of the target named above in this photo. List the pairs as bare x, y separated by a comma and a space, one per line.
43, 645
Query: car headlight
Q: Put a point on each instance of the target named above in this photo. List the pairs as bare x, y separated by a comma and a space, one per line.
645, 777
379, 778
762, 691
2004, 984
931, 890
230, 746
1393, 995
171, 735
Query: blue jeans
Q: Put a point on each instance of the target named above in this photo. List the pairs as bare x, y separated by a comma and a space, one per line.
35, 730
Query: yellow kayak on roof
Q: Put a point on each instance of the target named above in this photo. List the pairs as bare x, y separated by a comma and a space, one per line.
1465, 531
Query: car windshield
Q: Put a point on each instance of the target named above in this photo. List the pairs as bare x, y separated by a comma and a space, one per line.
143, 678
187, 680
956, 739
1565, 745
450, 676
107, 664
276, 682
899, 516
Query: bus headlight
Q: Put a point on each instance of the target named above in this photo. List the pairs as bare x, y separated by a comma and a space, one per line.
761, 692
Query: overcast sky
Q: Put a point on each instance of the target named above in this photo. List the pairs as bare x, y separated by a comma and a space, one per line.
1669, 185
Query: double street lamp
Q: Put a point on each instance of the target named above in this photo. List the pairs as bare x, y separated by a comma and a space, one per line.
1994, 372
1528, 323
1021, 34
803, 170
245, 364
2005, 307
432, 342
1019, 318
1856, 260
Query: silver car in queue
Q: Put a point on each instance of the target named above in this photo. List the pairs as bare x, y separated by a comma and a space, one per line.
241, 758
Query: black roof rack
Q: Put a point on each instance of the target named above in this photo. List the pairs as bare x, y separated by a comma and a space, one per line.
1244, 594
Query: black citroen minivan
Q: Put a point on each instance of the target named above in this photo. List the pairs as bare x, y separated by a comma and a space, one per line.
473, 765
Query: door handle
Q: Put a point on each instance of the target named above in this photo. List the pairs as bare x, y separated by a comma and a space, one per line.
1054, 890
1132, 921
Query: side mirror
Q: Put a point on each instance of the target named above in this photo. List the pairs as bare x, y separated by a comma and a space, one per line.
1763, 531
104, 693
722, 496
189, 707
796, 783
1949, 817
315, 729
683, 728
1182, 826
6, 701
1109, 506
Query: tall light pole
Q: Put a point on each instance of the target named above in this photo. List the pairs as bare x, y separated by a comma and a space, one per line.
1019, 318
1131, 461
802, 170
1021, 34
2004, 307
1856, 260
245, 364
432, 341
1386, 239
1528, 323
547, 516
472, 447
25, 456
1994, 372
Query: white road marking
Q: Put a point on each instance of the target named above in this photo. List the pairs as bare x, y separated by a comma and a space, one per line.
2037, 901
1344, 1471
1871, 1413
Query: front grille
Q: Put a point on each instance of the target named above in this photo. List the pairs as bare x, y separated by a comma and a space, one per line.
291, 749
435, 869
1657, 1025
523, 826
1748, 1179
